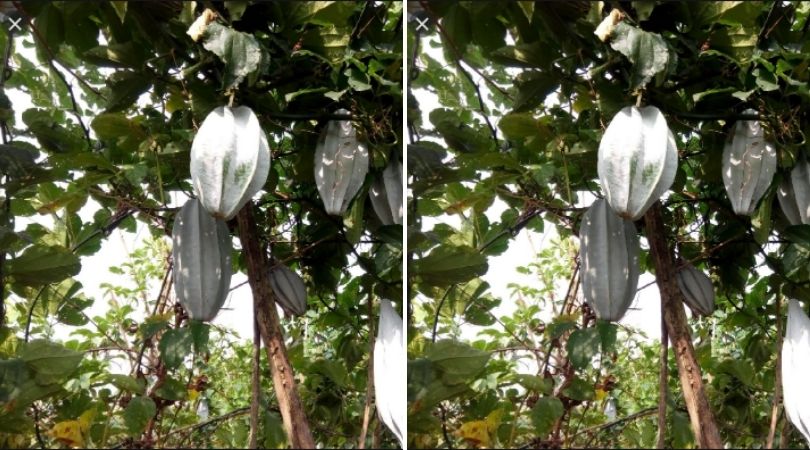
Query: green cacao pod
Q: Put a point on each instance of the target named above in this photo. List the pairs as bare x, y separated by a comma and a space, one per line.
637, 160
609, 251
341, 165
794, 194
230, 160
749, 164
697, 290
389, 371
291, 293
386, 194
796, 368
201, 250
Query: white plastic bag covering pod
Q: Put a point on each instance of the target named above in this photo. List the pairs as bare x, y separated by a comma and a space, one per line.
291, 293
796, 368
389, 371
749, 164
609, 256
637, 160
386, 194
341, 165
201, 250
230, 160
697, 290
794, 194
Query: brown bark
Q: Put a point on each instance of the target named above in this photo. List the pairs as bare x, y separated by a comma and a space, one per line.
700, 414
295, 420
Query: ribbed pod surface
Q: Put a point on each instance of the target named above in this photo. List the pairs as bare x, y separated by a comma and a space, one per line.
749, 163
796, 368
201, 250
697, 290
291, 293
609, 250
794, 194
230, 160
637, 160
341, 165
386, 194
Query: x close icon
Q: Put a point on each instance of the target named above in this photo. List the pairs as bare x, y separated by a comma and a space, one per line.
422, 24
15, 24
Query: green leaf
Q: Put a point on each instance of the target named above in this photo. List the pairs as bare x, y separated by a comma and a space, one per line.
457, 25
49, 358
115, 126
199, 335
544, 414
647, 51
39, 265
535, 383
174, 346
125, 88
459, 362
239, 51
332, 369
518, 125
761, 220
172, 389
123, 55
447, 265
799, 235
579, 389
138, 413
582, 345
127, 383
120, 8
532, 90
323, 13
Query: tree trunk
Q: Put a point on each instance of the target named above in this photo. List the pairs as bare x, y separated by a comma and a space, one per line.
700, 414
264, 306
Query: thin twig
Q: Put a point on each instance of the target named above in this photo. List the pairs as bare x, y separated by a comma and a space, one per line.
777, 395
369, 375
255, 385
663, 377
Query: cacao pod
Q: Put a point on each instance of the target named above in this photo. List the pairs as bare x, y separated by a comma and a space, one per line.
291, 293
697, 290
749, 164
386, 194
341, 164
796, 368
637, 160
609, 251
230, 160
794, 194
389, 371
201, 250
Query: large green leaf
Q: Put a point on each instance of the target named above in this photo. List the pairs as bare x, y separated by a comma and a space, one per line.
459, 362
447, 265
39, 265
239, 51
50, 358
175, 345
545, 413
138, 413
647, 51
582, 345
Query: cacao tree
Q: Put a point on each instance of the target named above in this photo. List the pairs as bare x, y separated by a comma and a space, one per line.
509, 104
99, 107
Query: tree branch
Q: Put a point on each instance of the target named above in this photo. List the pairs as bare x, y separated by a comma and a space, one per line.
295, 420
697, 404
